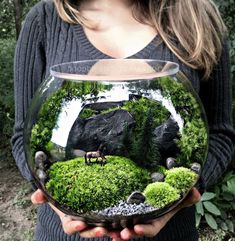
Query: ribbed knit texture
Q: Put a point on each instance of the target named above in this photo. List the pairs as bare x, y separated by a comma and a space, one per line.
46, 40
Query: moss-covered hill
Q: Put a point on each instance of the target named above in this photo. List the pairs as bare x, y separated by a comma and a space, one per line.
94, 187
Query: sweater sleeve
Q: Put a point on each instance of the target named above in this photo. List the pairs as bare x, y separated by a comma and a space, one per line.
216, 95
29, 66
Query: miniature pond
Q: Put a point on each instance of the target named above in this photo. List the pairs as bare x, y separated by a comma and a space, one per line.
116, 142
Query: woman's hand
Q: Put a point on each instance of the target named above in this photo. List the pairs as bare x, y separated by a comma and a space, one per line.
69, 225
153, 228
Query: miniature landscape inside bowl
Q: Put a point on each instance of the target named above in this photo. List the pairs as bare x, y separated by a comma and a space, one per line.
116, 142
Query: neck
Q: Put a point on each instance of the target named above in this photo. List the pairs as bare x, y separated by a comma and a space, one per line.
105, 14
105, 5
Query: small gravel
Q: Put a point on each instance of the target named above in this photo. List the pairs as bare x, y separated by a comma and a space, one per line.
126, 209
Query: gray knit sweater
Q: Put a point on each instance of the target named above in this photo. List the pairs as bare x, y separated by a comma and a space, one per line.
46, 40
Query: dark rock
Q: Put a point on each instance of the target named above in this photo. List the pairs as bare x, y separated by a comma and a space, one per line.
136, 197
157, 177
165, 136
170, 163
42, 176
196, 167
40, 160
106, 129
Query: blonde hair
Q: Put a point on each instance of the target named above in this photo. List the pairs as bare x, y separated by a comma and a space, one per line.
192, 29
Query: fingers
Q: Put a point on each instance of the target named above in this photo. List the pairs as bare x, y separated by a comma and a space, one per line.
38, 197
148, 230
152, 229
58, 212
115, 235
193, 197
94, 232
127, 234
71, 226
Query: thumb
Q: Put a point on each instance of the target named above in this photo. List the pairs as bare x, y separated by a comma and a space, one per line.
38, 197
193, 197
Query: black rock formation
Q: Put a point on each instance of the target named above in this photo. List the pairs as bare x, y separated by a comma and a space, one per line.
165, 136
106, 129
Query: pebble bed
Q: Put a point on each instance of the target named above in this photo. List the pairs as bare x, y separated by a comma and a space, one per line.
126, 209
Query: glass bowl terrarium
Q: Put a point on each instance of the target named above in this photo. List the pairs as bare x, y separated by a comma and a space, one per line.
116, 142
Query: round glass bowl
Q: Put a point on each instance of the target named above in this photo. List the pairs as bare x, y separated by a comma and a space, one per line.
116, 142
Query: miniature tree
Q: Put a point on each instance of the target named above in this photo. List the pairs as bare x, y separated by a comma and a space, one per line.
126, 141
145, 151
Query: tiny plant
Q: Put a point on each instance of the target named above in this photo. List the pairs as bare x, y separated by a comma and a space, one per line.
181, 178
160, 194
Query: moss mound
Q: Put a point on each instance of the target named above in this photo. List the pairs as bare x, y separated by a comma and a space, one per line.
95, 187
160, 194
181, 178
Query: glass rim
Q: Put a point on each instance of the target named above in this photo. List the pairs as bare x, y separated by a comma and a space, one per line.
169, 68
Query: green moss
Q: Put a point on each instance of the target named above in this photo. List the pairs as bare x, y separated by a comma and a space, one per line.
95, 187
87, 113
160, 194
139, 109
193, 142
159, 168
194, 138
181, 178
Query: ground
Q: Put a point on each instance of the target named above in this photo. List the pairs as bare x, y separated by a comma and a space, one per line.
17, 214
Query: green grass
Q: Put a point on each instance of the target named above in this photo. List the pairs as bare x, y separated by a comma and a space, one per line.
95, 187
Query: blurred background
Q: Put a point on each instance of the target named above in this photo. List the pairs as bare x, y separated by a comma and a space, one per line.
215, 214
